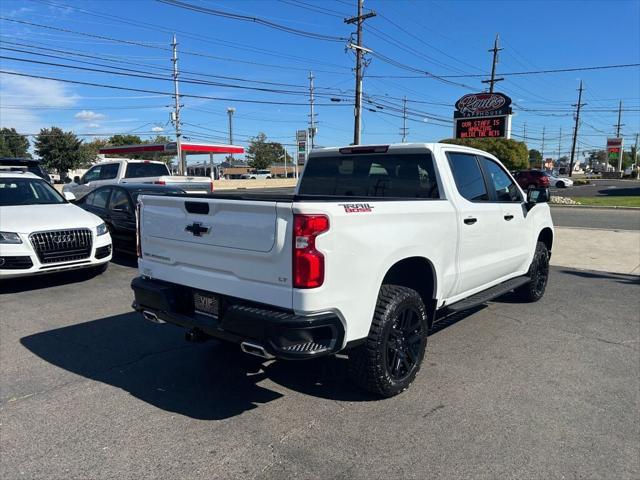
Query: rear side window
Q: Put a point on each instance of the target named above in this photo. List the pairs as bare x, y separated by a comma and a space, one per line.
376, 176
468, 176
98, 198
139, 170
109, 171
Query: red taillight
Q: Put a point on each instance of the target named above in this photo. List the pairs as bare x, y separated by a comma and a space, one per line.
160, 182
138, 242
545, 181
308, 263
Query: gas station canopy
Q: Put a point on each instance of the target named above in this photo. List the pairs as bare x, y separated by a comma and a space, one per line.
187, 148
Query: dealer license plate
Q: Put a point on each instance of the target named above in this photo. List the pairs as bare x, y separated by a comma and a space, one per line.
206, 303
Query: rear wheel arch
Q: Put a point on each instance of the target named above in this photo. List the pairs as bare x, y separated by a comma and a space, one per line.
416, 273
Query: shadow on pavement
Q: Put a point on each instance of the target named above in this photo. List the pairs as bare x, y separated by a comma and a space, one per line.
37, 282
619, 192
208, 381
618, 277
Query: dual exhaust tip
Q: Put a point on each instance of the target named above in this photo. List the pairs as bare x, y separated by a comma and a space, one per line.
246, 347
254, 349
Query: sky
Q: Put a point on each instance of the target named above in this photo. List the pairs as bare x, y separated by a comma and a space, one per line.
426, 51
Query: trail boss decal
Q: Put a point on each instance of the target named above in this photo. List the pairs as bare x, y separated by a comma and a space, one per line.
356, 207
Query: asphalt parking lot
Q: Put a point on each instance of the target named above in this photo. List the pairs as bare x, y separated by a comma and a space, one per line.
91, 390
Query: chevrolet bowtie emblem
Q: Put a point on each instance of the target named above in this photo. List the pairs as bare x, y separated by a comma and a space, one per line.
197, 229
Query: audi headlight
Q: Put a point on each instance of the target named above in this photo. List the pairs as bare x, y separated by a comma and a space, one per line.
102, 229
9, 237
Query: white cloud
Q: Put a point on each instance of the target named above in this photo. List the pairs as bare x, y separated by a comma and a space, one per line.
21, 95
157, 129
88, 116
93, 125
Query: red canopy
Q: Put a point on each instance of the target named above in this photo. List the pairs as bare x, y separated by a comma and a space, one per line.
187, 148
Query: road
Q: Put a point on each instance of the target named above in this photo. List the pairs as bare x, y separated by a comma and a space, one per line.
599, 188
91, 390
609, 219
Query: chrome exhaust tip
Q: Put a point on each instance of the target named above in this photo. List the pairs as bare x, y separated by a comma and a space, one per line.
257, 350
152, 317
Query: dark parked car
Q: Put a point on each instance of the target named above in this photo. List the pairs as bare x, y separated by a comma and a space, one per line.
532, 178
30, 164
116, 205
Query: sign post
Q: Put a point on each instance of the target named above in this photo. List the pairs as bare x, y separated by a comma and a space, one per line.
483, 115
614, 152
302, 139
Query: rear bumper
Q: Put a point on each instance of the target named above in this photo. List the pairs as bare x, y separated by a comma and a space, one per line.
282, 333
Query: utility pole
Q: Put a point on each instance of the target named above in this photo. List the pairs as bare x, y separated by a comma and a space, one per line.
524, 132
559, 146
542, 150
358, 20
312, 116
635, 157
495, 51
618, 125
578, 106
230, 112
182, 164
404, 130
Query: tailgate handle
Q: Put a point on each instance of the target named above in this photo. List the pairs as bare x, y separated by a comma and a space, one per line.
201, 208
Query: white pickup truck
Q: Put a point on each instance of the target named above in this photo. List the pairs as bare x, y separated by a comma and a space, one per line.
126, 170
373, 243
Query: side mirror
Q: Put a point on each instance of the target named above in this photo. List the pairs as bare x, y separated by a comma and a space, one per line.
537, 195
69, 196
76, 179
67, 180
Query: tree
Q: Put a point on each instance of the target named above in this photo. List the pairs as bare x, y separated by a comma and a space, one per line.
119, 140
12, 144
89, 151
261, 154
511, 153
535, 156
58, 150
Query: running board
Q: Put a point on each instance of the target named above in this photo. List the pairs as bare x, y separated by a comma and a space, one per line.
487, 295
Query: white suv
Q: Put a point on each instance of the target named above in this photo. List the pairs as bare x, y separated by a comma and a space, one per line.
41, 232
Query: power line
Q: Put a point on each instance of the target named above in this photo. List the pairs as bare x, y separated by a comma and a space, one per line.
260, 21
145, 45
512, 74
168, 94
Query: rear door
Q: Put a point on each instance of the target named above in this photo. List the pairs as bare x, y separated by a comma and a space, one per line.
123, 219
480, 239
234, 247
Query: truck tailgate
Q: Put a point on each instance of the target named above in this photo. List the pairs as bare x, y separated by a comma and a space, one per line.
234, 247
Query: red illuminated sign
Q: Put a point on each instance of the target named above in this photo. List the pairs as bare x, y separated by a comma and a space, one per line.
486, 127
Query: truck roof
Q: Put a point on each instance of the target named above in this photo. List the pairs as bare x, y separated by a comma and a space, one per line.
388, 148
127, 160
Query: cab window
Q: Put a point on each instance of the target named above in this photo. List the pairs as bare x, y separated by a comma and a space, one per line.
468, 176
92, 175
109, 171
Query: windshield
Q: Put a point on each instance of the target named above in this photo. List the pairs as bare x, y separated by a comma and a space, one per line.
139, 170
27, 191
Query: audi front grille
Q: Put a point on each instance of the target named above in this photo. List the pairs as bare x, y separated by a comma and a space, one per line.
62, 245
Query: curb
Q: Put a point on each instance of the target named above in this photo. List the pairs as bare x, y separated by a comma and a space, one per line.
596, 207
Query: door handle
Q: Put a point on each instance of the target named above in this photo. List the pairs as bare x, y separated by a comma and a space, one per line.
508, 217
470, 220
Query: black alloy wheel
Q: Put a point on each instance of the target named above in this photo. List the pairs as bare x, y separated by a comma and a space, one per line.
403, 343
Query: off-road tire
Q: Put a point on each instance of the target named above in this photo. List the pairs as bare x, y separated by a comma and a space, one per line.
533, 290
368, 363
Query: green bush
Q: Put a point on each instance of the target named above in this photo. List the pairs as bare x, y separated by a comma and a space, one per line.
581, 181
513, 154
